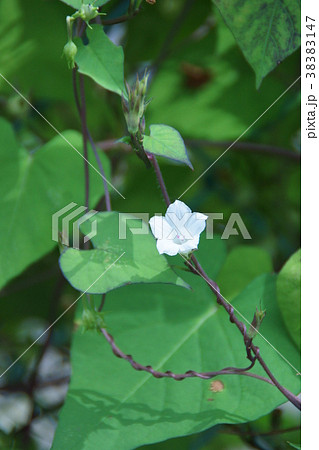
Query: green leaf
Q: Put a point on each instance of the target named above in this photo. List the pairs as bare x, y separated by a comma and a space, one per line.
12, 51
166, 141
267, 32
210, 111
76, 4
29, 46
242, 265
140, 263
289, 296
33, 186
178, 330
94, 59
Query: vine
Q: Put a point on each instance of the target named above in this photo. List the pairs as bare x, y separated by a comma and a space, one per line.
134, 106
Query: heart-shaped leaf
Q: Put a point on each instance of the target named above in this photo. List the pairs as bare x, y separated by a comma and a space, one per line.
267, 32
166, 141
33, 187
94, 59
116, 239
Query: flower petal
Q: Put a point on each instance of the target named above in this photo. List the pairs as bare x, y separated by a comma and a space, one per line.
177, 215
189, 245
196, 224
178, 208
167, 246
160, 227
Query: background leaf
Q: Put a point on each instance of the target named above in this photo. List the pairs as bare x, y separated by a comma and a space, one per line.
34, 48
177, 330
94, 59
141, 262
34, 186
242, 265
289, 295
166, 141
227, 83
267, 32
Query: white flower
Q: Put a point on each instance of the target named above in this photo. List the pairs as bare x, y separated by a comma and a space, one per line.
179, 230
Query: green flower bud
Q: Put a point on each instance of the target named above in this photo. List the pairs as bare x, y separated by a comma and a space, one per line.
92, 320
69, 51
16, 106
87, 12
135, 105
143, 83
255, 324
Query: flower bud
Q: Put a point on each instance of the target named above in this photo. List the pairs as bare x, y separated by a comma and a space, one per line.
135, 105
91, 319
143, 84
88, 12
255, 324
69, 51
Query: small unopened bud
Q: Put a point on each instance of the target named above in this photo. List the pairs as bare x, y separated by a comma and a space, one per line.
143, 84
135, 105
92, 320
69, 51
87, 12
255, 324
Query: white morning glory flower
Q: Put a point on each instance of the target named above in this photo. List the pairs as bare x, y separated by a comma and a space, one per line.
179, 230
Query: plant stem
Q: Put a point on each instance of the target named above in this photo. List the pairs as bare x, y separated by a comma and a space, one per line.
191, 373
179, 376
249, 147
82, 112
169, 374
242, 328
165, 50
120, 19
86, 132
252, 147
160, 178
195, 267
102, 303
102, 172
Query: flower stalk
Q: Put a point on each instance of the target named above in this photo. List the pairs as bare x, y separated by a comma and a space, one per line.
252, 351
